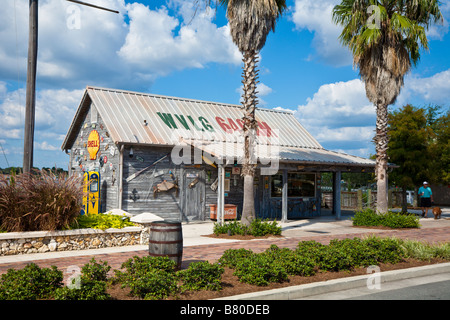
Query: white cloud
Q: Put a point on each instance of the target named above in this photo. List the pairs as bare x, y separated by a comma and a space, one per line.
45, 146
55, 109
3, 89
262, 91
345, 134
433, 89
315, 16
152, 43
87, 46
285, 110
338, 104
439, 30
340, 117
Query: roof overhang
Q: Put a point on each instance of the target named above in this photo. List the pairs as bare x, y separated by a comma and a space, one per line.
233, 152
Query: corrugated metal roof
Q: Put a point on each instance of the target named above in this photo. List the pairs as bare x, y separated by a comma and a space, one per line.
133, 117
235, 151
140, 118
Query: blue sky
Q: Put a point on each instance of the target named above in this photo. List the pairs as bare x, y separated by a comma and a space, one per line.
161, 47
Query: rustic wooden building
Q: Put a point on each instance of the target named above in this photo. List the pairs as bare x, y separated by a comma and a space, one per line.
176, 157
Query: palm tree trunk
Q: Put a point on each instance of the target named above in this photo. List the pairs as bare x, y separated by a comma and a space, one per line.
249, 81
381, 146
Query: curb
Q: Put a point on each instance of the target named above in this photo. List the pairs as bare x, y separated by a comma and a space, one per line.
311, 289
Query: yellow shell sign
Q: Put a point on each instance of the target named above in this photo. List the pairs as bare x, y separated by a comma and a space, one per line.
93, 144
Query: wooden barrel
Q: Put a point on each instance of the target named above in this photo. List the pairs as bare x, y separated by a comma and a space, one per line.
166, 239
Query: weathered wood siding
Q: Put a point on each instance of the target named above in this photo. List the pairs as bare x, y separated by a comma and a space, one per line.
138, 193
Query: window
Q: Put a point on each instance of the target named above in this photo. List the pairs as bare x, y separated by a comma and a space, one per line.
299, 185
277, 185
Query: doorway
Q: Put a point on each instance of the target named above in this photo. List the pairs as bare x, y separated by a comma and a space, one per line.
193, 195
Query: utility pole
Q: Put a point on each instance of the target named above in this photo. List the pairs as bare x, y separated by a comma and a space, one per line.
31, 87
30, 103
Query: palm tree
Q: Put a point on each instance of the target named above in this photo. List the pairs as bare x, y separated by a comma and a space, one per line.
385, 37
250, 22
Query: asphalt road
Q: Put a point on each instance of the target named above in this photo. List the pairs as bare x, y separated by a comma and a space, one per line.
434, 287
429, 291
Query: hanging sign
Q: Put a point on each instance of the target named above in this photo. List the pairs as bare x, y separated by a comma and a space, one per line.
93, 144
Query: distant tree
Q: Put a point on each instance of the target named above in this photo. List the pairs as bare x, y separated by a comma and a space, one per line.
439, 144
408, 147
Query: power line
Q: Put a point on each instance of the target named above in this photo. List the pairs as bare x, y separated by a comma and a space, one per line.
3, 150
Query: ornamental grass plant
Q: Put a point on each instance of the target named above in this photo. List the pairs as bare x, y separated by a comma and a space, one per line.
39, 201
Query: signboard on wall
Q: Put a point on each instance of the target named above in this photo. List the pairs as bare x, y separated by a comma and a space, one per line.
93, 144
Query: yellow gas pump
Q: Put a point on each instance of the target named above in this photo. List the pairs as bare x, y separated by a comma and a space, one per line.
85, 193
91, 190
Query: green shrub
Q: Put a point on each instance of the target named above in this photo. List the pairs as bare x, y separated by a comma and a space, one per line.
149, 277
257, 228
231, 228
30, 283
95, 290
39, 201
260, 227
311, 249
292, 262
390, 219
156, 284
136, 266
336, 258
347, 254
399, 220
94, 271
384, 250
260, 270
231, 257
92, 284
101, 221
367, 217
202, 276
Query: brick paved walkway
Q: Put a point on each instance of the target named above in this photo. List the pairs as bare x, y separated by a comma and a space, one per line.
214, 251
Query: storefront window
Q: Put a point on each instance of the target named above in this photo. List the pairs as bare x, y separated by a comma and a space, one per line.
299, 185
277, 185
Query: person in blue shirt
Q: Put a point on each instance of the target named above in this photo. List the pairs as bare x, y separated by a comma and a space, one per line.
426, 198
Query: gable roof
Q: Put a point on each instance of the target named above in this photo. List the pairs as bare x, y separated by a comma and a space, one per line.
154, 120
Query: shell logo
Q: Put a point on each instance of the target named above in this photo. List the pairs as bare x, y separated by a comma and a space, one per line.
93, 144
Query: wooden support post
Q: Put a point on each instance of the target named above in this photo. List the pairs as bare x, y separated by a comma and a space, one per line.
359, 200
120, 177
391, 200
221, 195
284, 201
337, 194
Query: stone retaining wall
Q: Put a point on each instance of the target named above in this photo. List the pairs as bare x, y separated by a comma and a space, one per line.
12, 243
